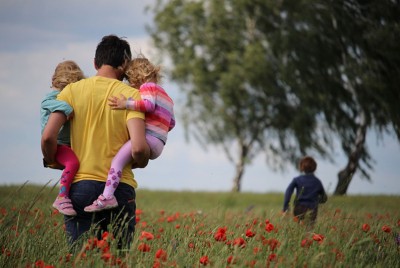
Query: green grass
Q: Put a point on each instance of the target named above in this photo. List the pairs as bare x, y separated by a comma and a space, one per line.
184, 225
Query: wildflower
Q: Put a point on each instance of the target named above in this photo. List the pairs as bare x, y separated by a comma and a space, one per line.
191, 245
204, 260
239, 242
318, 238
256, 250
156, 264
272, 257
231, 260
161, 254
106, 256
305, 243
39, 263
144, 247
220, 235
138, 212
366, 227
146, 235
102, 244
105, 235
386, 229
249, 233
269, 227
273, 244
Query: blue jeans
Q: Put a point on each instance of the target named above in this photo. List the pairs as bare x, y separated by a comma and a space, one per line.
121, 219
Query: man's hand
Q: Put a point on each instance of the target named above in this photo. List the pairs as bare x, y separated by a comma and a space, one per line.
53, 165
116, 103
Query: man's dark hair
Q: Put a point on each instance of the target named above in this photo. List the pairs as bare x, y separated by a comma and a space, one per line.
113, 51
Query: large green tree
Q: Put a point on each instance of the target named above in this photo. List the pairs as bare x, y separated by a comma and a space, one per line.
280, 77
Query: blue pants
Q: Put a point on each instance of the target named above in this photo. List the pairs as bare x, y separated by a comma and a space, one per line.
121, 219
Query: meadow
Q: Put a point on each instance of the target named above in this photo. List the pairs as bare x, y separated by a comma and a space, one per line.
199, 229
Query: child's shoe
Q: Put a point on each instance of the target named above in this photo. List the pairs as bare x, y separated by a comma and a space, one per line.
102, 203
64, 206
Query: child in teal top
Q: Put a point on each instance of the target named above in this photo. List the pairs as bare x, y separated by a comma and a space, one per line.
65, 73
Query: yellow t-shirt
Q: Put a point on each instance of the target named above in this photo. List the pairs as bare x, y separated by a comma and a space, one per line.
97, 131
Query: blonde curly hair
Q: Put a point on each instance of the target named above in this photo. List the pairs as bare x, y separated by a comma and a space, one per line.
65, 73
140, 70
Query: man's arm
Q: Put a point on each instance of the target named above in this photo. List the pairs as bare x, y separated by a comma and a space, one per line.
140, 149
49, 136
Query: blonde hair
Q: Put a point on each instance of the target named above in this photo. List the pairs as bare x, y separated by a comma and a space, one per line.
65, 73
140, 70
307, 164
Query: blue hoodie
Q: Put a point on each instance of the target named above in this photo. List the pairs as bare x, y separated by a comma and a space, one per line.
309, 191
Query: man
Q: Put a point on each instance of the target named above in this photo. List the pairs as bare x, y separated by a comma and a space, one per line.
97, 133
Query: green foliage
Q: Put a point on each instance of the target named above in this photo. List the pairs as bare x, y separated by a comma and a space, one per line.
184, 225
283, 77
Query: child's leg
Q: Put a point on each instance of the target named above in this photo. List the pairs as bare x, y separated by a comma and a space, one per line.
156, 146
66, 157
123, 157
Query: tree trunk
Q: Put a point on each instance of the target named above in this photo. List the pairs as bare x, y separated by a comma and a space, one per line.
345, 175
239, 171
237, 181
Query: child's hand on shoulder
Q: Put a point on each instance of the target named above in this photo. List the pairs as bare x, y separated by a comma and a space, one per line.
117, 103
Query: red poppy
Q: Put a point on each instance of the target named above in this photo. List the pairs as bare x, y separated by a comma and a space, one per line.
144, 247
318, 238
305, 243
220, 234
249, 233
256, 250
272, 257
239, 242
39, 264
138, 212
269, 227
146, 235
161, 254
386, 229
273, 244
204, 260
366, 227
106, 256
231, 260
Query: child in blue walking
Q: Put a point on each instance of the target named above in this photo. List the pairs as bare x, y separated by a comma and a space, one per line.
309, 192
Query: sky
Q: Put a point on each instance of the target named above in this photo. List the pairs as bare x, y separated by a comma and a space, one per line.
36, 35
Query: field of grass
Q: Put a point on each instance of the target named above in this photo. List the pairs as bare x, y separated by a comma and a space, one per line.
196, 229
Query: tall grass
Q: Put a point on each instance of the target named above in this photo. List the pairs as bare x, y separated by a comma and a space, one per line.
192, 229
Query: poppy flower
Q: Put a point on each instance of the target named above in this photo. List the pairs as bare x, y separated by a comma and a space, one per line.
231, 260
146, 235
220, 234
249, 233
144, 247
269, 227
272, 257
161, 254
106, 256
386, 229
318, 238
204, 260
239, 242
366, 227
305, 243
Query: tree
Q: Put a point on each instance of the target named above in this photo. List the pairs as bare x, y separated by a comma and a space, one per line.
231, 79
255, 73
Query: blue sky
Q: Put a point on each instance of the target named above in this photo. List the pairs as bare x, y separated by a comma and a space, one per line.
37, 35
